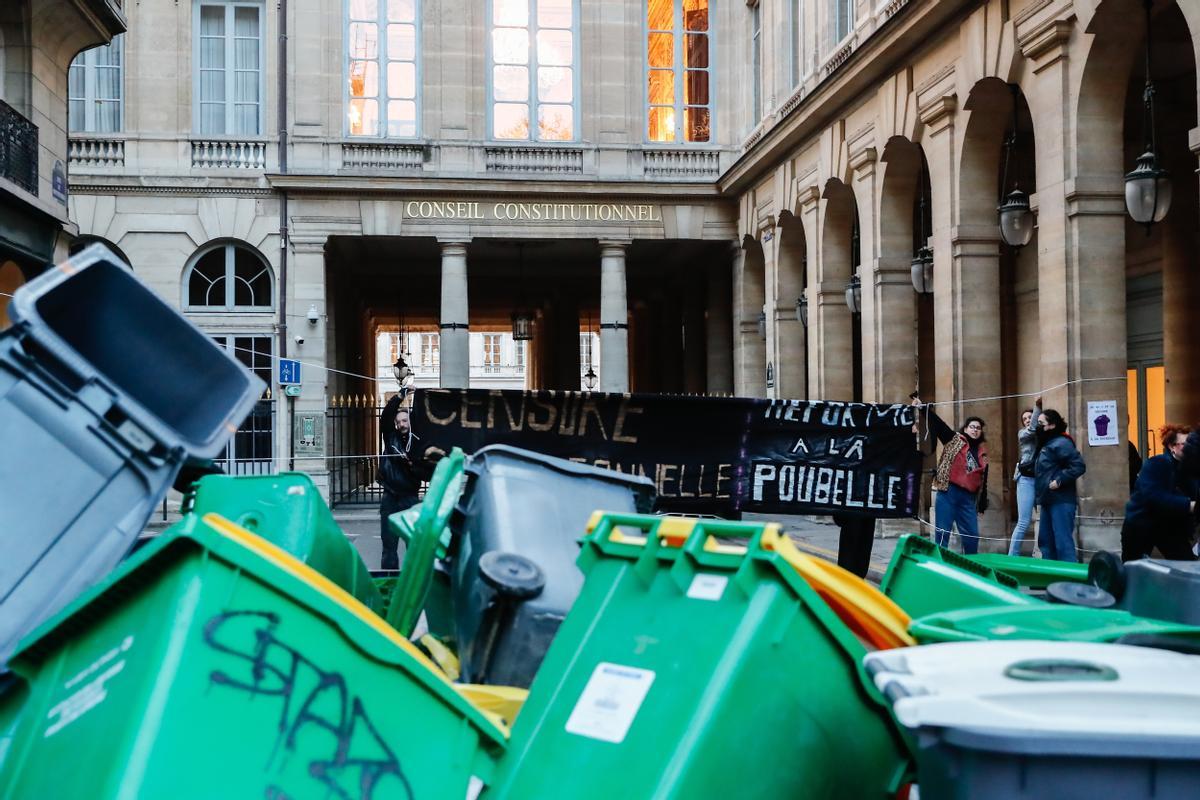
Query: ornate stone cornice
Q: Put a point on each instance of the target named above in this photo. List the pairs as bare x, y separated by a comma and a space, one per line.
863, 160
1045, 44
938, 113
170, 191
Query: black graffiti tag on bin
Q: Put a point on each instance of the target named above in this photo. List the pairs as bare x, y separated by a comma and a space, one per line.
276, 669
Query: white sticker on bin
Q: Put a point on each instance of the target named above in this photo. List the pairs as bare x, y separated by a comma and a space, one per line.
609, 702
707, 586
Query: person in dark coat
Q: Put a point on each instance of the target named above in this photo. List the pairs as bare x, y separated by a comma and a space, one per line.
401, 472
1161, 511
1057, 466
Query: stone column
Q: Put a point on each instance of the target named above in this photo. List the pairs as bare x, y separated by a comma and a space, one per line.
614, 319
455, 339
807, 200
1181, 298
829, 320
306, 279
1081, 283
718, 328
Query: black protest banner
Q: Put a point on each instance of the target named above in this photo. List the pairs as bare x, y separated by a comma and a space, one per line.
705, 454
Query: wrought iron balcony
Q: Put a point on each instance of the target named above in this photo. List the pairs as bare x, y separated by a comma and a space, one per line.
18, 149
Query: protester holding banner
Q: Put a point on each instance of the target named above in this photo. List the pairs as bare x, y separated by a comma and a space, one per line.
400, 475
959, 481
1056, 469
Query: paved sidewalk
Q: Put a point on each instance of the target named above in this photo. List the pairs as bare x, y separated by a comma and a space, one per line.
817, 536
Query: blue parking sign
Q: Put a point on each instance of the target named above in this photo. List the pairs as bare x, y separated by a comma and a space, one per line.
289, 371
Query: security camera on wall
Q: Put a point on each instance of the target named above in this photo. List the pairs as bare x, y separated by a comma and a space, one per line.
298, 339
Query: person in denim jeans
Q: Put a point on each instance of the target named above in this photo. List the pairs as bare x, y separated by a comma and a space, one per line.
960, 481
1023, 474
1057, 467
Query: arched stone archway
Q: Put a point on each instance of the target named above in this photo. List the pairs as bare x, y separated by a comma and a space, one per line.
839, 371
1135, 294
790, 340
750, 379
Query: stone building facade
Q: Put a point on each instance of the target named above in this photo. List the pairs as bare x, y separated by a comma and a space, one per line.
675, 175
38, 39
893, 138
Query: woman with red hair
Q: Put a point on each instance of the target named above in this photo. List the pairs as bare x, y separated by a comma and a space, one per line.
1161, 512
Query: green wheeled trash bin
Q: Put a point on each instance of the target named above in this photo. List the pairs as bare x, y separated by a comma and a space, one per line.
923, 578
699, 672
213, 664
288, 511
1050, 621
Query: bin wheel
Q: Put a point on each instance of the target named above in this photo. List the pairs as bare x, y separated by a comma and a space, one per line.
511, 575
1106, 571
1080, 594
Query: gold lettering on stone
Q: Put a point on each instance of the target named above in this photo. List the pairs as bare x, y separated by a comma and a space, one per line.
532, 212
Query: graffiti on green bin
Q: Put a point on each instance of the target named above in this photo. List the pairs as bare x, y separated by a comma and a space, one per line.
356, 760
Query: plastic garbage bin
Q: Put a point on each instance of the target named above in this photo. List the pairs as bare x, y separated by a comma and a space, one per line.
1033, 573
674, 662
923, 579
105, 390
213, 664
1162, 589
1064, 623
288, 511
1065, 720
534, 507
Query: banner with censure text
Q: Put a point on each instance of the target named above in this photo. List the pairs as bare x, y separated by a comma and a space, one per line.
714, 455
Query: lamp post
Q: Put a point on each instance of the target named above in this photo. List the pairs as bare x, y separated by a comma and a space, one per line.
1148, 186
802, 308
1016, 218
921, 270
522, 318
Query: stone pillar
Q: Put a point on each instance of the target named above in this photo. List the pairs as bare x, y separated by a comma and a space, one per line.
829, 320
455, 339
807, 200
614, 319
1081, 284
1181, 298
718, 328
306, 279
749, 299
788, 344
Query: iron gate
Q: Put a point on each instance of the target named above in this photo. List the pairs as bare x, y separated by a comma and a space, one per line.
353, 449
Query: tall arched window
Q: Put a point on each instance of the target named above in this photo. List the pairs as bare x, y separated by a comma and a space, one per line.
229, 277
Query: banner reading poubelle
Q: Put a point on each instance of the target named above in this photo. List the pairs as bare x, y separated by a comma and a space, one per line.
705, 454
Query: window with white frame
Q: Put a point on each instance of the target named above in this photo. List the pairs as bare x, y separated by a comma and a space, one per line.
229, 67
534, 75
229, 277
251, 451
679, 102
585, 352
841, 20
95, 88
519, 355
491, 352
756, 64
383, 43
430, 350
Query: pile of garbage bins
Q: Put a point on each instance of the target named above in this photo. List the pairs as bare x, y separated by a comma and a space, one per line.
546, 636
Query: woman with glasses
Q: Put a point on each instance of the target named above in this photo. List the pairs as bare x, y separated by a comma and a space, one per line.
1161, 512
1057, 467
960, 481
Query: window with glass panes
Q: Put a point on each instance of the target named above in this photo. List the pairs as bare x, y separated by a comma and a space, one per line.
381, 73
534, 75
229, 68
251, 451
491, 352
430, 352
96, 88
519, 355
585, 352
841, 20
679, 102
229, 277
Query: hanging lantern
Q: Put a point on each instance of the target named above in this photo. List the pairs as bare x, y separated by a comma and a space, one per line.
922, 271
1016, 219
802, 308
589, 378
1148, 190
522, 325
854, 295
403, 372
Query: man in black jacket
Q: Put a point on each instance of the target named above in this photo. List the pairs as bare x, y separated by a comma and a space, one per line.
400, 474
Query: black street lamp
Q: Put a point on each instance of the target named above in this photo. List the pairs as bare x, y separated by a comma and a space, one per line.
854, 295
802, 308
1016, 218
922, 264
1148, 186
403, 372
